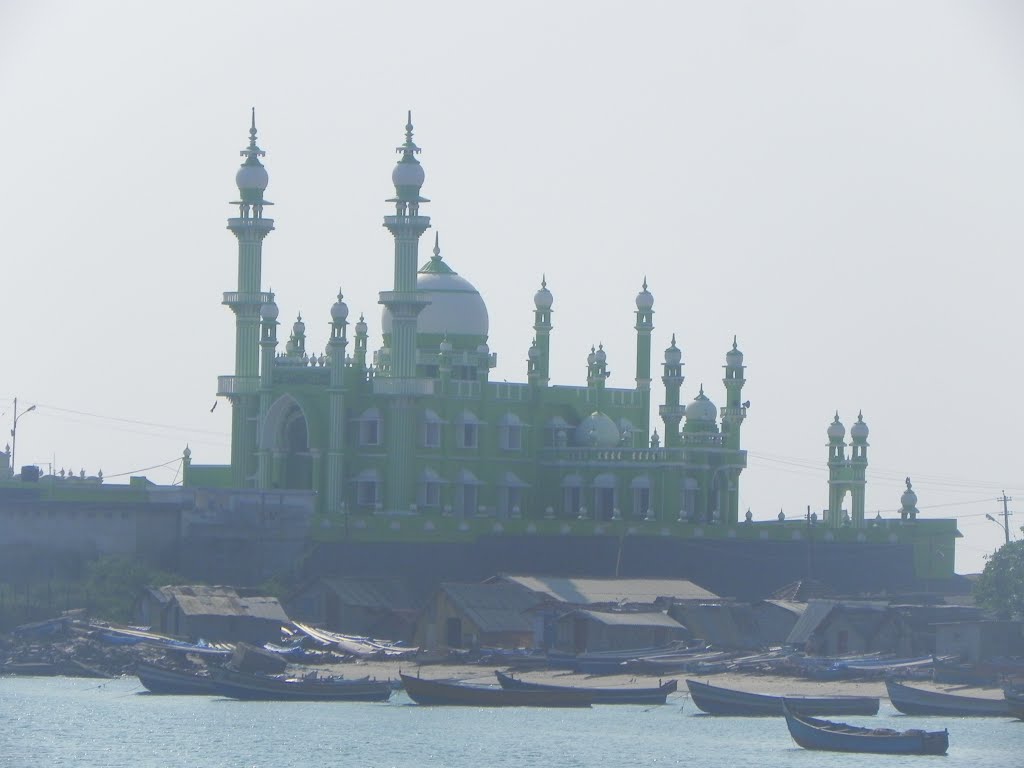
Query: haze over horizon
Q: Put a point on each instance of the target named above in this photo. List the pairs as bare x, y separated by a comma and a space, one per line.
837, 184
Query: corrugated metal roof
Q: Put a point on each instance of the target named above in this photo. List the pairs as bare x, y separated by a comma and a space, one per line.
818, 610
493, 607
591, 591
221, 604
797, 609
629, 619
370, 593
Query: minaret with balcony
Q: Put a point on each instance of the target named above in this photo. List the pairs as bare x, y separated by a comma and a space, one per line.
336, 394
540, 351
404, 304
734, 411
242, 388
268, 348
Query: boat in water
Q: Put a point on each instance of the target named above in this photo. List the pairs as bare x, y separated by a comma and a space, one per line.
449, 693
811, 733
1015, 704
656, 695
254, 687
157, 678
917, 701
726, 701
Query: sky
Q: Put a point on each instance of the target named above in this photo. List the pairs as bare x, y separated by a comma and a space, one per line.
837, 184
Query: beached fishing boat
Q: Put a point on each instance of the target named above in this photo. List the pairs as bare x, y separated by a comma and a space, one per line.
1015, 704
167, 680
443, 692
725, 701
811, 733
656, 695
917, 701
252, 687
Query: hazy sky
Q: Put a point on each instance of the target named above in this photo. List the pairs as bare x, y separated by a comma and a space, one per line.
839, 184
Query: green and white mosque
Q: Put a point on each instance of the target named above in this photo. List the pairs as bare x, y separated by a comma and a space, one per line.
418, 426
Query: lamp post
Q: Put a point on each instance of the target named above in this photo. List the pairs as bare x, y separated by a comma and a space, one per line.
14, 429
1006, 531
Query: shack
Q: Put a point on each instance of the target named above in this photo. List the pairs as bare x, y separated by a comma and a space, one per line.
585, 631
977, 642
463, 616
381, 608
836, 627
214, 613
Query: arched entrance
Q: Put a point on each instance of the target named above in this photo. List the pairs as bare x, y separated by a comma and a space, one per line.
285, 437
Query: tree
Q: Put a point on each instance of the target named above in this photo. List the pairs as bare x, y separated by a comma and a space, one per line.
1001, 586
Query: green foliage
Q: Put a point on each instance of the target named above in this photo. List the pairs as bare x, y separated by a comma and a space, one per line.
1001, 586
114, 583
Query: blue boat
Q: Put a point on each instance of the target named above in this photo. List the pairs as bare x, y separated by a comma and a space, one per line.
811, 733
167, 680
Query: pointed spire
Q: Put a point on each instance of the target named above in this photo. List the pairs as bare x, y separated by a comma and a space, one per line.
543, 280
673, 339
734, 341
252, 153
409, 148
437, 245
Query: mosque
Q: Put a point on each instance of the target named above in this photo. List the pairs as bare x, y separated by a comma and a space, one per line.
418, 426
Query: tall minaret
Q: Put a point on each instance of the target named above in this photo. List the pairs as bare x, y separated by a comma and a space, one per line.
858, 469
644, 326
672, 411
837, 471
268, 346
242, 388
404, 304
734, 411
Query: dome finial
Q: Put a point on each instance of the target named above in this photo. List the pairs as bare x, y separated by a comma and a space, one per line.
252, 153
734, 341
701, 394
645, 282
543, 280
409, 148
673, 339
437, 245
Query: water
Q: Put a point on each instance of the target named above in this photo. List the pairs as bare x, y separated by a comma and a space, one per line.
86, 724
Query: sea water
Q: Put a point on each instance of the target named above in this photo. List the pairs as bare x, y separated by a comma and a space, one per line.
110, 724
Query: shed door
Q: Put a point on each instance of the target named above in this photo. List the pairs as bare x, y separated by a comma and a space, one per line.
579, 631
453, 632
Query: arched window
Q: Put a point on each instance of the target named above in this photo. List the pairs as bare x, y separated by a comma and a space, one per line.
572, 495
604, 496
510, 495
432, 424
552, 429
429, 493
468, 433
368, 488
467, 494
641, 489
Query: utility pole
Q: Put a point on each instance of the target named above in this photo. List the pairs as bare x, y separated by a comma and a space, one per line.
1005, 524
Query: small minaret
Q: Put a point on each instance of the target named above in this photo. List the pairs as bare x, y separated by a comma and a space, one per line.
858, 469
837, 466
336, 419
268, 348
359, 354
672, 411
541, 359
735, 411
250, 227
644, 326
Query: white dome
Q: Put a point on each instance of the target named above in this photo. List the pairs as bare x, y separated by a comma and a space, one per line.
456, 307
673, 354
597, 431
543, 299
339, 311
252, 177
408, 175
701, 409
269, 311
859, 431
644, 299
734, 358
836, 430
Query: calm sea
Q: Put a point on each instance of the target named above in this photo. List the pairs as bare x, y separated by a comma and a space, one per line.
76, 722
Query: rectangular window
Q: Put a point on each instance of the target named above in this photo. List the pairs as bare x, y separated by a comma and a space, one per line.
366, 493
465, 500
430, 495
510, 500
369, 432
512, 437
572, 501
641, 501
469, 435
431, 434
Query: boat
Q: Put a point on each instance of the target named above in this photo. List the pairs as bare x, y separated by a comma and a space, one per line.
656, 695
254, 687
1015, 704
157, 678
917, 701
445, 692
726, 701
811, 733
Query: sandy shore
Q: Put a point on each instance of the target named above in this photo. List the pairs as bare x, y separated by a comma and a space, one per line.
756, 683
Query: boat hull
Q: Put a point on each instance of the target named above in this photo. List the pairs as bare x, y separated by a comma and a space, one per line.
164, 680
811, 733
597, 695
248, 687
443, 693
1015, 706
916, 701
725, 701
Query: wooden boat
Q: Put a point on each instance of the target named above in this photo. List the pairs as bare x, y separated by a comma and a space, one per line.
917, 701
725, 701
253, 687
442, 692
1015, 704
597, 695
166, 680
811, 733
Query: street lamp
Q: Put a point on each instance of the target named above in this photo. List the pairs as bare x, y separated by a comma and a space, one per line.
1006, 531
14, 429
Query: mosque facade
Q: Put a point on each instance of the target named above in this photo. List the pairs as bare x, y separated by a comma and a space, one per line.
418, 427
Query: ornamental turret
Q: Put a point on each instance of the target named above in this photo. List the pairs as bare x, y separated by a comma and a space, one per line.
336, 421
644, 327
735, 410
540, 353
